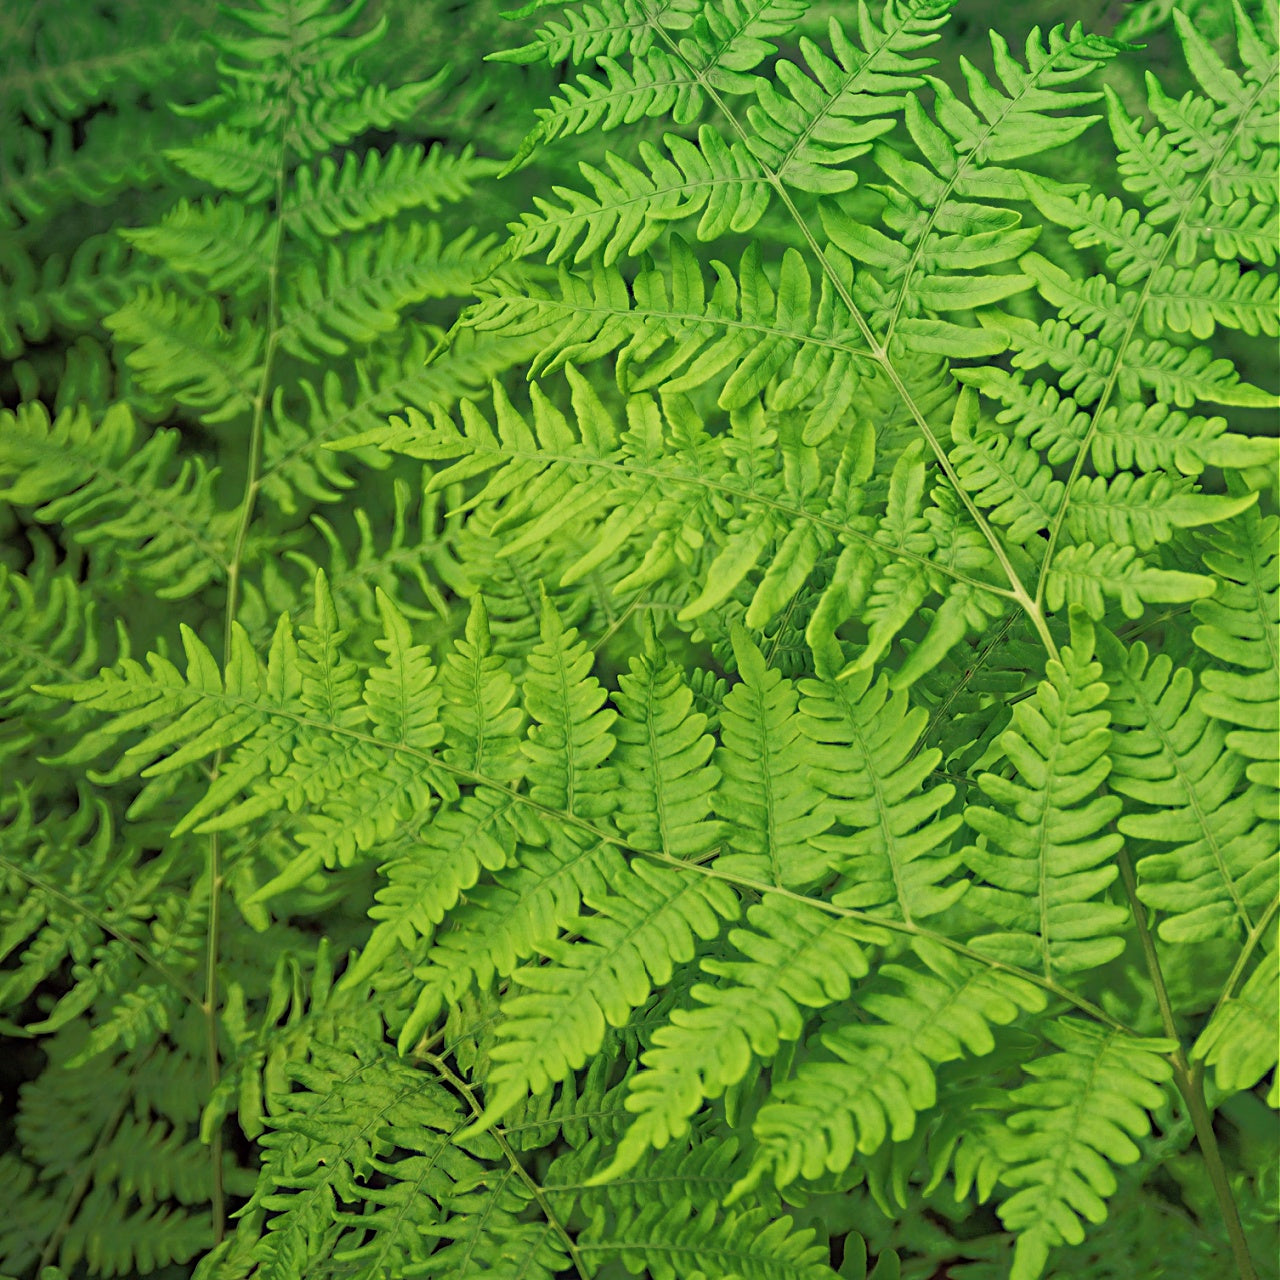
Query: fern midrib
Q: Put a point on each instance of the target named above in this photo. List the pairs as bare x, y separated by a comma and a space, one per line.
1222, 151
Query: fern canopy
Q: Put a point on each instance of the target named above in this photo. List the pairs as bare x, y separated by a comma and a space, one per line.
638, 637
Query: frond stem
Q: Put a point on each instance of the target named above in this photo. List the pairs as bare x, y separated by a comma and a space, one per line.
1189, 1081
251, 486
446, 1073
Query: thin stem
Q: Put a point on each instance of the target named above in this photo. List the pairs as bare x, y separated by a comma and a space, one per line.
1189, 1081
1190, 1085
442, 1068
245, 520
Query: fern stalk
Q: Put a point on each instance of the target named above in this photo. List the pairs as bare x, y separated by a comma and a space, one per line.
1189, 1080
244, 521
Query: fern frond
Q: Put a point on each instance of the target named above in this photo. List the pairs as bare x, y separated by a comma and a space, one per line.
610, 28
1240, 627
632, 206
43, 175
667, 787
364, 1129
892, 851
1055, 854
222, 241
1239, 1043
1081, 1114
118, 496
744, 325
660, 76
506, 920
770, 807
72, 293
1084, 575
329, 200
570, 742
1216, 872
796, 957
288, 759
1151, 437
806, 135
676, 1241
643, 927
69, 65
300, 457
481, 831
182, 349
48, 633
368, 282
876, 1075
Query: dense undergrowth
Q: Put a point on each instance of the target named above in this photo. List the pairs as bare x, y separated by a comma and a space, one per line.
638, 639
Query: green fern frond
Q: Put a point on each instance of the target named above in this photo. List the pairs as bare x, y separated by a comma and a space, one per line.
1238, 1043
744, 325
643, 927
610, 28
47, 634
891, 850
769, 805
873, 1077
667, 787
74, 293
1214, 875
632, 207
108, 490
221, 241
300, 458
367, 284
330, 200
796, 957
676, 1241
1240, 627
806, 135
365, 1129
182, 349
1080, 1114
1055, 854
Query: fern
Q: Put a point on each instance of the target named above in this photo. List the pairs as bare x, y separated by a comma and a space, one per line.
643, 642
